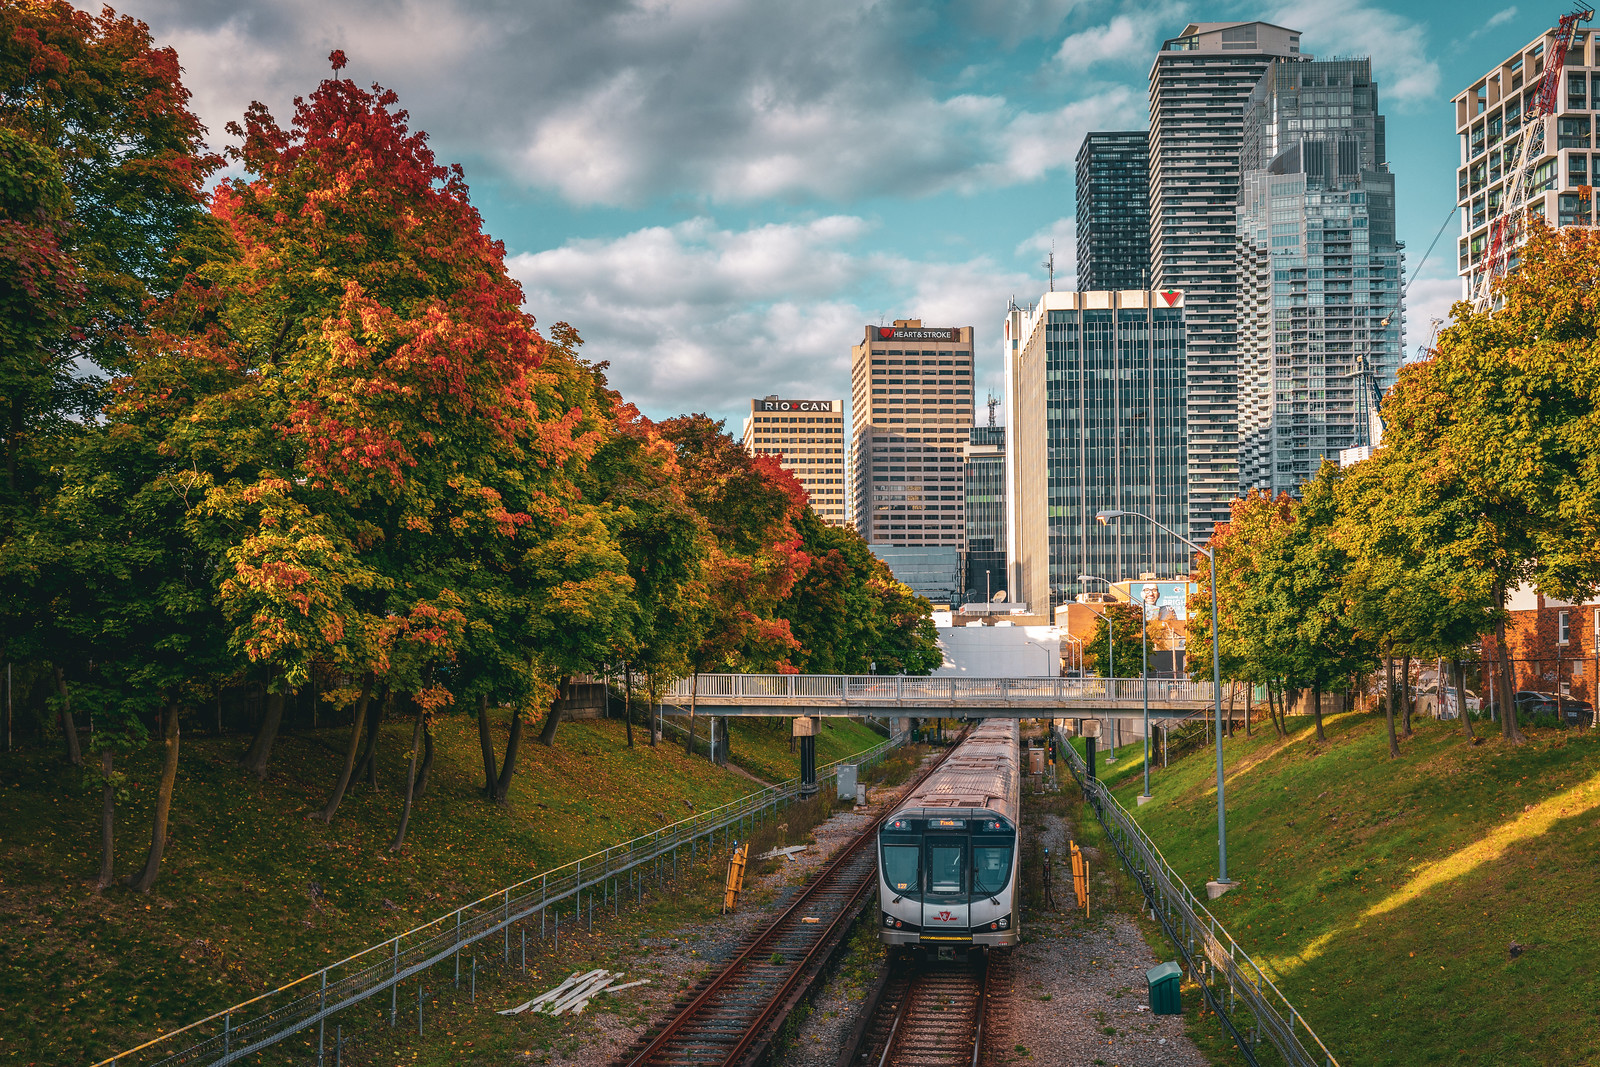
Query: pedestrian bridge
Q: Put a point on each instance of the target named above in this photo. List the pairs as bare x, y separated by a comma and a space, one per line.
940, 696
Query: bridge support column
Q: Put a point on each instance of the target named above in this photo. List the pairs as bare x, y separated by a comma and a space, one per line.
805, 728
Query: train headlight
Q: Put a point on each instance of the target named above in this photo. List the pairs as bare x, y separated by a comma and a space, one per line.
888, 920
1005, 921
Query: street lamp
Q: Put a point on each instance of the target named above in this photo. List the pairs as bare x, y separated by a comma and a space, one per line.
1105, 518
1144, 671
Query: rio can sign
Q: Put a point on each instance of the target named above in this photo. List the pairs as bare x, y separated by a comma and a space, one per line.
794, 405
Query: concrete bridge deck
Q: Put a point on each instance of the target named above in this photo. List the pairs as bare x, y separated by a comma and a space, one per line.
904, 695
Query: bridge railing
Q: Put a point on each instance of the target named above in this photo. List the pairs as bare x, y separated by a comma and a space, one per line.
1244, 998
879, 689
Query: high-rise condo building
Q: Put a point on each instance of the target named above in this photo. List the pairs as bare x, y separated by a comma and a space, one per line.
1489, 118
1095, 399
1114, 211
986, 511
1319, 273
910, 408
807, 437
1199, 84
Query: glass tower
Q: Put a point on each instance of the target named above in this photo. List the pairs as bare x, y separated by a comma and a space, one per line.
1114, 211
1320, 331
1096, 413
986, 512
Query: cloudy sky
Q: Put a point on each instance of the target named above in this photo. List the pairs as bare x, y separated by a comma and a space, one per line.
720, 193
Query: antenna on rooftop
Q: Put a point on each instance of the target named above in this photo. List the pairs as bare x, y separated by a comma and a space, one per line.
1050, 265
993, 400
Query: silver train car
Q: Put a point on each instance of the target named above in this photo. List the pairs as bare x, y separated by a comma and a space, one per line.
947, 856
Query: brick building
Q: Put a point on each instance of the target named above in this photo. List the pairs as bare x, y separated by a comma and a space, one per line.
1554, 645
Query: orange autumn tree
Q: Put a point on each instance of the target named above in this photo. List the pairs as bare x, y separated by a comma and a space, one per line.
381, 445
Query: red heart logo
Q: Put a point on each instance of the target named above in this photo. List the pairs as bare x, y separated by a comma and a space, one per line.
885, 332
1171, 296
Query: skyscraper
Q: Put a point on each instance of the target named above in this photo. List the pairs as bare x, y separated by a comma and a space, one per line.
986, 512
1095, 398
910, 408
1489, 118
1320, 268
807, 437
1114, 211
1199, 84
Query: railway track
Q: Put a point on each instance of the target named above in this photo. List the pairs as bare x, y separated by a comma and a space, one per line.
933, 1017
731, 1018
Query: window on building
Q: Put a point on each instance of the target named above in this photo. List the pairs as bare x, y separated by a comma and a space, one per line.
1563, 628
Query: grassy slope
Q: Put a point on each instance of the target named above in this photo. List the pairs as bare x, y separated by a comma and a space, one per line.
234, 911
761, 746
1383, 895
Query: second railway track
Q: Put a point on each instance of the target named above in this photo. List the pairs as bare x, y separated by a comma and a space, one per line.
932, 1017
732, 1017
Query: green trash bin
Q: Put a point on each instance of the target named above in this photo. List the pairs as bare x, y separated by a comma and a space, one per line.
1166, 996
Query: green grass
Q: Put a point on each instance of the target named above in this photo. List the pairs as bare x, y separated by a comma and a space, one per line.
761, 745
1383, 896
254, 893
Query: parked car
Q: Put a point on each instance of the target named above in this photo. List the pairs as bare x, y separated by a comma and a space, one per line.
1427, 698
1569, 710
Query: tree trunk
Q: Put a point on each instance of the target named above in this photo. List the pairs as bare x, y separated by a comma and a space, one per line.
158, 831
1388, 703
1508, 695
1405, 695
1459, 676
1316, 709
1233, 697
627, 700
368, 763
427, 761
411, 783
357, 729
1249, 695
490, 772
108, 814
502, 786
74, 753
260, 753
694, 700
547, 736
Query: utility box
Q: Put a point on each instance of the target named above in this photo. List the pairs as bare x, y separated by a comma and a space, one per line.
1166, 988
1035, 761
847, 781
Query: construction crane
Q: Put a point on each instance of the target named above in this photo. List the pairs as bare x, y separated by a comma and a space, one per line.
1506, 229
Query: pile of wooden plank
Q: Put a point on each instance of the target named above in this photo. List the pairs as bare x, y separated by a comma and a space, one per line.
574, 994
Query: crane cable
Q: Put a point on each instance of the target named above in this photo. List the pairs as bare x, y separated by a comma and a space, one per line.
1420, 265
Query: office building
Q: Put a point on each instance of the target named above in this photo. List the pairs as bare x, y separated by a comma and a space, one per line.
1199, 84
1095, 399
1320, 328
1114, 211
985, 567
1489, 119
807, 437
932, 571
910, 408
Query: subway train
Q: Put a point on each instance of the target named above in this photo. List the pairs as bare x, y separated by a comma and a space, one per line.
947, 856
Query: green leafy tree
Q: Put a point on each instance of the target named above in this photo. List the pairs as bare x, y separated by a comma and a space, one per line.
1115, 643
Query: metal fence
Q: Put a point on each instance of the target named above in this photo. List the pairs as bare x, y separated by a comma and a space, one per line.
307, 1003
878, 689
1247, 1002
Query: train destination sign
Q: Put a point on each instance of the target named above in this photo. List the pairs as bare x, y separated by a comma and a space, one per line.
793, 405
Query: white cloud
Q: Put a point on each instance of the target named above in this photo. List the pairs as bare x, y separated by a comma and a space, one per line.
1398, 45
1429, 299
1060, 238
607, 102
698, 318
1128, 39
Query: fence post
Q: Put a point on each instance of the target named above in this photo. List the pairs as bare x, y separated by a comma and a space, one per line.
394, 988
322, 1023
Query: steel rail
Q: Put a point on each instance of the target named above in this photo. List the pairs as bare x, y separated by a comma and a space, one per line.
904, 1026
823, 883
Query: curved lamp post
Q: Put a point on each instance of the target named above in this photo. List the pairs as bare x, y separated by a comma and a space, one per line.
1105, 517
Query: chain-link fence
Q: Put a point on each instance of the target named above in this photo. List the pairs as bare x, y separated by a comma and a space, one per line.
552, 898
1244, 999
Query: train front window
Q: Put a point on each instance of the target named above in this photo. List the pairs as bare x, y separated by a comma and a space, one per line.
991, 869
900, 868
945, 869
